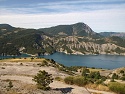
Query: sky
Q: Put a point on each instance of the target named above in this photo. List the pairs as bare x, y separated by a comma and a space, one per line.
100, 15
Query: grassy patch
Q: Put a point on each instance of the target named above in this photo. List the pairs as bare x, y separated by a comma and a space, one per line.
95, 69
117, 87
29, 59
97, 87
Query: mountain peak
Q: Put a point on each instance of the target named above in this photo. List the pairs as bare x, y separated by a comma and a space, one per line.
78, 29
83, 28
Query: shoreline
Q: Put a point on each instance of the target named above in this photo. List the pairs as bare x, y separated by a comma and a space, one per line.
76, 53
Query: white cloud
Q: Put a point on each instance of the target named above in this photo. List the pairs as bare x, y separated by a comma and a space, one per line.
64, 6
100, 17
104, 20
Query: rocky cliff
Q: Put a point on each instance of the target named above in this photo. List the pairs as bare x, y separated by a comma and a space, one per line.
78, 45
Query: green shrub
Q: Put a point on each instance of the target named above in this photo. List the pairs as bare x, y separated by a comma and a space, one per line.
115, 76
123, 78
122, 72
32, 58
44, 63
85, 72
80, 81
58, 79
94, 75
103, 78
69, 80
117, 87
99, 81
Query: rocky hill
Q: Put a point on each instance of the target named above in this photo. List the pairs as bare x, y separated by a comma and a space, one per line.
77, 38
78, 29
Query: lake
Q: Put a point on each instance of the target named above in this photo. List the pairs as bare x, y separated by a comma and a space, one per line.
97, 61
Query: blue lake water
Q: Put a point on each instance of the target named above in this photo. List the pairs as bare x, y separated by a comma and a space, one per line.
99, 61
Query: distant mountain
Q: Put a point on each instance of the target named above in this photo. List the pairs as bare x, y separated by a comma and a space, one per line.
18, 40
77, 38
6, 26
108, 34
78, 29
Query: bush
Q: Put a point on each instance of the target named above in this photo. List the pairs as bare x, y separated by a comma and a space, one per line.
114, 76
123, 78
69, 80
32, 58
94, 75
85, 72
21, 64
117, 87
80, 81
122, 72
58, 79
99, 81
44, 63
3, 68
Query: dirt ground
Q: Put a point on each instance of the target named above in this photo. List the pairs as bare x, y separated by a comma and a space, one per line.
21, 75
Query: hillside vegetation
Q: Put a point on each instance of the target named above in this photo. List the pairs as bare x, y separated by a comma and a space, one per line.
77, 38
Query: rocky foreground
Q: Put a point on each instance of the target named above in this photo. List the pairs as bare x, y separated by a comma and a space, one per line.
22, 73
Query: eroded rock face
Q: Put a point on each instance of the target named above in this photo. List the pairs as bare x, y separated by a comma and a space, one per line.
82, 47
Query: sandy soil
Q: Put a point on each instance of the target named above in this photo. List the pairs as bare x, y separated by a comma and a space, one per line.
24, 73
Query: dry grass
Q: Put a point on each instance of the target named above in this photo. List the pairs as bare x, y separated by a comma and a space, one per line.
12, 92
95, 70
95, 93
23, 60
21, 88
98, 87
29, 87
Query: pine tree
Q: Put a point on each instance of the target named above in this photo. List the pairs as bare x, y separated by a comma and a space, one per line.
43, 80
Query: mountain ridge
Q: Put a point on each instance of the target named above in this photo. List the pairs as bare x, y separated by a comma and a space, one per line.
76, 38
78, 29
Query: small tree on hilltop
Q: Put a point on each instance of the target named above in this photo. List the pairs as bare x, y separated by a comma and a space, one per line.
43, 80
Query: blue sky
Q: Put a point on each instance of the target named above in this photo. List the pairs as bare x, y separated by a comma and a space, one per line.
100, 15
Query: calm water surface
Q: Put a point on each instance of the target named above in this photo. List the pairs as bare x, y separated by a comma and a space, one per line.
99, 61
